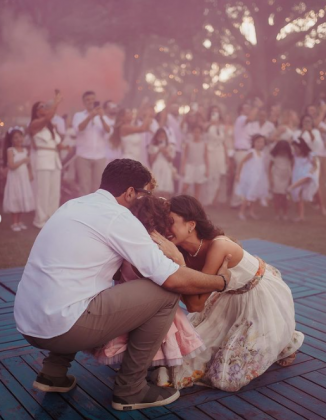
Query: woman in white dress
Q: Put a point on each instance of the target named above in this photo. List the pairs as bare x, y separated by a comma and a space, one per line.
161, 155
217, 157
245, 328
18, 194
314, 141
46, 144
129, 136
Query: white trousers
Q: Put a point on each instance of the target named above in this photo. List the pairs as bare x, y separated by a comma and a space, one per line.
47, 195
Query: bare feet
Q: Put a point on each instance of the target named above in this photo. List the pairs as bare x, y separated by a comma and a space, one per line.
287, 361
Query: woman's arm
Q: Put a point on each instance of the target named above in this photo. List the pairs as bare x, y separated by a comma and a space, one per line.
39, 123
214, 260
131, 129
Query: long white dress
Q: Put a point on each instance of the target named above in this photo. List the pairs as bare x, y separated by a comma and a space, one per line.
163, 169
303, 168
253, 183
216, 138
18, 193
132, 147
245, 329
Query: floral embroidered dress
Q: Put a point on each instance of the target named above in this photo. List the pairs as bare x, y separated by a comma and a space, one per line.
245, 329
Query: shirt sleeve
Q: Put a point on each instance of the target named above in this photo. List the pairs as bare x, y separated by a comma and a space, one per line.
129, 238
77, 119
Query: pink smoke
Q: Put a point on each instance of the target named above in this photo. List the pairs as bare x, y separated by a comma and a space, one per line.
31, 68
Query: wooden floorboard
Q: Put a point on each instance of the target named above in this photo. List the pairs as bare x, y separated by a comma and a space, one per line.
293, 393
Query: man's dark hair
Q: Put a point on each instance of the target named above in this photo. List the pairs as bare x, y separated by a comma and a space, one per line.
88, 92
121, 174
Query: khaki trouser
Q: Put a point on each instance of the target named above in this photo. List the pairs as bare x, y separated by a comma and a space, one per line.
89, 173
140, 308
238, 157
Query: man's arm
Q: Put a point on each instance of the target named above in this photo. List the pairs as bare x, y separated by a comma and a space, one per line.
190, 282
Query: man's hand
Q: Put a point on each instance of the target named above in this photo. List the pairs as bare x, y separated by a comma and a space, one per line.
224, 269
168, 248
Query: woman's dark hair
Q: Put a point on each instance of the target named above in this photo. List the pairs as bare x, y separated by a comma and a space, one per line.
190, 209
283, 148
210, 111
121, 174
255, 137
8, 143
115, 138
34, 116
155, 137
154, 213
302, 146
306, 116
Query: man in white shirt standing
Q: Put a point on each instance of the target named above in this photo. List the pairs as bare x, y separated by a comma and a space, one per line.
65, 301
262, 126
91, 127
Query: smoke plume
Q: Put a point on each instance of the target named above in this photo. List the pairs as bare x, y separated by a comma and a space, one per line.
31, 68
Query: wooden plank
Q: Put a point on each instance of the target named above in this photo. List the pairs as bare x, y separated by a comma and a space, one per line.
244, 409
217, 411
5, 354
269, 406
314, 325
10, 407
300, 398
292, 406
191, 413
312, 351
309, 313
308, 331
90, 393
25, 399
309, 388
6, 295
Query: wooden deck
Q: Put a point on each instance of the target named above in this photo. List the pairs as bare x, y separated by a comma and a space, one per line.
292, 393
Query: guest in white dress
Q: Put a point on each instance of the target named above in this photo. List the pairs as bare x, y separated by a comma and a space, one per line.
314, 141
280, 174
46, 143
249, 325
217, 157
194, 165
252, 178
305, 176
18, 193
161, 155
129, 136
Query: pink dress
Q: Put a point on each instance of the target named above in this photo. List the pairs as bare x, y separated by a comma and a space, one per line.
181, 343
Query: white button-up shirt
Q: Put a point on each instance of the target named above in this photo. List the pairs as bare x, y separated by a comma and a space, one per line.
266, 130
90, 143
242, 139
74, 259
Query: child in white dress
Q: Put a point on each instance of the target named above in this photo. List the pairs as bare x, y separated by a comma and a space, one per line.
18, 194
304, 177
161, 155
252, 177
280, 174
195, 166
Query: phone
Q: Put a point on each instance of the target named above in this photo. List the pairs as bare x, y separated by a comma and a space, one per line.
97, 104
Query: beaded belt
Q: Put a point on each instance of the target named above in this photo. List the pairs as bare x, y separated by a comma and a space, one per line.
253, 282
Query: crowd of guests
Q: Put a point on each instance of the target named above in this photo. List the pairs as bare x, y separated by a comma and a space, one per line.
258, 157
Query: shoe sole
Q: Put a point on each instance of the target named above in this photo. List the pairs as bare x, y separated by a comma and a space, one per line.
140, 406
48, 388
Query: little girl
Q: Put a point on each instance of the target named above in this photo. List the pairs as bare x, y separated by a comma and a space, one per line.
161, 154
181, 342
304, 177
280, 174
194, 166
18, 195
252, 177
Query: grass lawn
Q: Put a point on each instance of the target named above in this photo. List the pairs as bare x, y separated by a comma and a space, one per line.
310, 235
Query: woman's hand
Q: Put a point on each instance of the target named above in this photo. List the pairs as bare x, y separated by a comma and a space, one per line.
168, 248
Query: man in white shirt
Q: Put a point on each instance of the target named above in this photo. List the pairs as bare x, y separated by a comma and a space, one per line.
65, 301
262, 126
91, 127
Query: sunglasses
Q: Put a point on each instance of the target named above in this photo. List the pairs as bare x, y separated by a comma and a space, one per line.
142, 190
